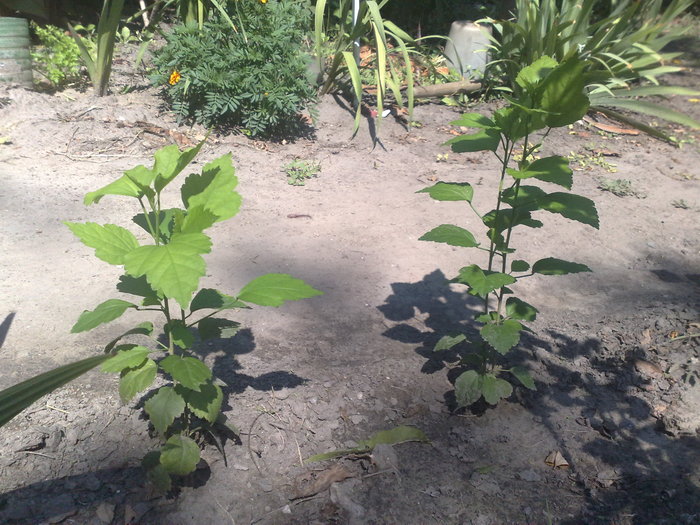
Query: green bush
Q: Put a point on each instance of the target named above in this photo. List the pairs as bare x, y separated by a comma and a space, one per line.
255, 78
58, 57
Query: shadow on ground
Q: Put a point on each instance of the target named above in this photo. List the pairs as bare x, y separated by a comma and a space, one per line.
628, 469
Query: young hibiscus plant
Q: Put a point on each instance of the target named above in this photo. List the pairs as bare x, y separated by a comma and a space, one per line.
162, 275
549, 95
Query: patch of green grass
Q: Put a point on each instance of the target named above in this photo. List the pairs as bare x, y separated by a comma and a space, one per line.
619, 188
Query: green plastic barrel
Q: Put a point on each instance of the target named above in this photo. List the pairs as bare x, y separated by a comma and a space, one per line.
15, 60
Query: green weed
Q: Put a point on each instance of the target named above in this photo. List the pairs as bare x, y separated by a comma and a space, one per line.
299, 171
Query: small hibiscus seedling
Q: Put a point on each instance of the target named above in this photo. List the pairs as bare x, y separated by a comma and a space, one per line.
163, 275
549, 95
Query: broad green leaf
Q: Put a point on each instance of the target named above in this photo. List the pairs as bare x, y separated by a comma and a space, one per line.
526, 198
104, 313
447, 342
213, 190
132, 184
274, 289
515, 121
562, 94
473, 120
172, 269
481, 284
111, 242
450, 191
181, 335
170, 161
135, 380
145, 328
502, 336
136, 286
452, 235
506, 218
483, 140
164, 407
530, 76
468, 388
214, 300
179, 455
132, 358
519, 265
553, 169
197, 220
206, 403
552, 266
574, 207
163, 226
520, 310
522, 375
494, 389
18, 397
189, 371
159, 477
214, 328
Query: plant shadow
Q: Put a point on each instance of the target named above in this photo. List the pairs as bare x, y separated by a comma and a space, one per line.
590, 398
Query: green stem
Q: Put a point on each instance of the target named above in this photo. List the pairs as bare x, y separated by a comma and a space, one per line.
148, 221
166, 311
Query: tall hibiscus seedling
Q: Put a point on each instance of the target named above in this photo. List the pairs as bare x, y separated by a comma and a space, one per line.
549, 95
163, 275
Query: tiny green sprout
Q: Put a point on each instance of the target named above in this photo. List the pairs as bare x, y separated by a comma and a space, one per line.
619, 188
550, 95
299, 171
680, 204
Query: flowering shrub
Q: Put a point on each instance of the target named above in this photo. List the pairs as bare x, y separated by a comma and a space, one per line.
254, 78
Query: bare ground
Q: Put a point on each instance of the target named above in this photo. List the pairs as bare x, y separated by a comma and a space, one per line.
616, 395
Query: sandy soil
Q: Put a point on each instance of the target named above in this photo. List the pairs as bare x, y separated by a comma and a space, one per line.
616, 396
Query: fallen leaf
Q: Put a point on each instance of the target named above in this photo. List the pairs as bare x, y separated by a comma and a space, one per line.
319, 481
556, 460
645, 340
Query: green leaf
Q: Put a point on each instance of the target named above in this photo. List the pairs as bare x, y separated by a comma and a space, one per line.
172, 269
481, 284
189, 371
163, 226
134, 183
111, 242
519, 265
468, 388
135, 380
562, 94
164, 407
213, 190
214, 300
574, 207
132, 358
530, 76
511, 217
446, 342
159, 476
214, 328
450, 191
145, 328
170, 161
137, 286
553, 169
494, 389
104, 313
197, 220
179, 455
20, 396
502, 336
522, 375
526, 198
552, 266
181, 335
206, 403
484, 140
473, 120
520, 310
452, 235
274, 289
649, 108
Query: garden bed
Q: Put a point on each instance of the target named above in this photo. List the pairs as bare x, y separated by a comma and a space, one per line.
616, 397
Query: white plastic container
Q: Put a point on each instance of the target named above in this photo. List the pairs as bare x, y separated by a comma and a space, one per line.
467, 49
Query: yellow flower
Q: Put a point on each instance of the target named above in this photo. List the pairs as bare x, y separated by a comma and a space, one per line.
174, 78
263, 1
